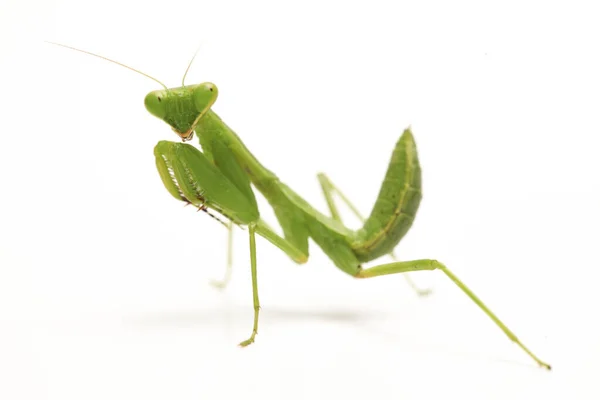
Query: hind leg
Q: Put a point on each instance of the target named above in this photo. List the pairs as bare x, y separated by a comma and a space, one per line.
429, 265
328, 189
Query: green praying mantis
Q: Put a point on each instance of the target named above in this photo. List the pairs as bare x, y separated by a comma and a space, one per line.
221, 176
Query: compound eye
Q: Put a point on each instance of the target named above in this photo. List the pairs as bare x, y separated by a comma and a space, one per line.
205, 96
155, 105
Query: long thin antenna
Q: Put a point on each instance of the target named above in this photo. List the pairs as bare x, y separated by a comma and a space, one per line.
108, 59
188, 67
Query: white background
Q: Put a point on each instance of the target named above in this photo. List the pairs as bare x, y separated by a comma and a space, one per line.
104, 277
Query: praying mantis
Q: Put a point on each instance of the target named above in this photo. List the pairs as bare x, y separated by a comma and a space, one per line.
221, 177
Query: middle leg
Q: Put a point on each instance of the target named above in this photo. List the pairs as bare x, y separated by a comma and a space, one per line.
250, 340
221, 284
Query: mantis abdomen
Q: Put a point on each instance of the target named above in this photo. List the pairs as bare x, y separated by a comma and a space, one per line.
396, 205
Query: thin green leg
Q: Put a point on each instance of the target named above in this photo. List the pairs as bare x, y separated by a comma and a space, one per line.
297, 255
429, 265
328, 189
411, 283
250, 340
221, 284
265, 231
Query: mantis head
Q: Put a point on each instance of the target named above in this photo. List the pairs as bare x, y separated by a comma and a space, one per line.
182, 107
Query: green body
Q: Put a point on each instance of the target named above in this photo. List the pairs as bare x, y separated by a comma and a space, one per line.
223, 183
221, 176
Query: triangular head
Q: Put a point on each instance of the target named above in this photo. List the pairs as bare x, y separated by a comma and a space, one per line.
182, 107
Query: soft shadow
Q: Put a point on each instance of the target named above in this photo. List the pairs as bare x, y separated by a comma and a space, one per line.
191, 318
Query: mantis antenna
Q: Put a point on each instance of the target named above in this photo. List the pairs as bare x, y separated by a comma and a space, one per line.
112, 61
188, 67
